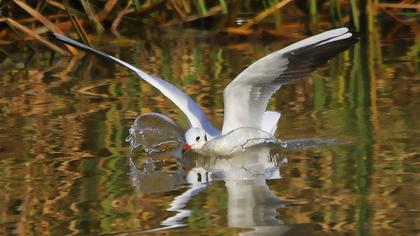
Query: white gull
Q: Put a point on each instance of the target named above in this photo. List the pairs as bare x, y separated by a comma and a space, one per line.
246, 121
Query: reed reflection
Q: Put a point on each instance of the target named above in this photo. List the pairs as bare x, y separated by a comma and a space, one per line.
63, 137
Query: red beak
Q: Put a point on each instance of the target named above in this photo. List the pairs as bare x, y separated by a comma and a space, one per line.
187, 147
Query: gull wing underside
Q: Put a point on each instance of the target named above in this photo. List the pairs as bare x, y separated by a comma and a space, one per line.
246, 97
194, 113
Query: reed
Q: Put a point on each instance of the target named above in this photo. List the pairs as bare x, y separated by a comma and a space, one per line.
87, 18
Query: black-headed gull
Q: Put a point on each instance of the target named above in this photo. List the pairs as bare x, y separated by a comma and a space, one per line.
246, 97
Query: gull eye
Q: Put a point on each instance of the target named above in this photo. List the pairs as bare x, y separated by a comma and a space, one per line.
198, 138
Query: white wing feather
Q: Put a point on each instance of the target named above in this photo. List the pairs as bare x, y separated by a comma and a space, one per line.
194, 113
269, 121
246, 97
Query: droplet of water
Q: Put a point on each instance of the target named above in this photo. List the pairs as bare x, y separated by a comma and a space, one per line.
240, 21
284, 161
283, 144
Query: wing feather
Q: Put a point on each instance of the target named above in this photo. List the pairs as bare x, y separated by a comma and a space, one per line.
194, 113
246, 97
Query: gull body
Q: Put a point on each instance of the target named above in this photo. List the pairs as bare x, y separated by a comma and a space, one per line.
246, 97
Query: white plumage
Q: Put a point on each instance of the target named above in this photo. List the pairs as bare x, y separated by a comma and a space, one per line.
246, 97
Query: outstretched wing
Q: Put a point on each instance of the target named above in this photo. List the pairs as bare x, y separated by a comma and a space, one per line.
246, 97
195, 115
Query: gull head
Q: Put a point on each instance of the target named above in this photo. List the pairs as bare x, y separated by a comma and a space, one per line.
195, 139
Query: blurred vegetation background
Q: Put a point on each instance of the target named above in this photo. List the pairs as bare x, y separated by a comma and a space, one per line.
64, 120
22, 20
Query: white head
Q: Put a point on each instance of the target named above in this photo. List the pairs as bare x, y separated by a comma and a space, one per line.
195, 138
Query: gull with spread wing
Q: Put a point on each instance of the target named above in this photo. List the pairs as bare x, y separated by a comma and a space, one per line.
246, 97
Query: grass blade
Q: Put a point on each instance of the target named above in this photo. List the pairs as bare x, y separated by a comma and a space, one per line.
91, 16
313, 8
110, 4
79, 29
201, 7
355, 14
120, 15
264, 14
223, 5
35, 36
4, 19
35, 14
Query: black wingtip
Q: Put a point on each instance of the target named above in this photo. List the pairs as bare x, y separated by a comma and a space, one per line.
50, 35
353, 31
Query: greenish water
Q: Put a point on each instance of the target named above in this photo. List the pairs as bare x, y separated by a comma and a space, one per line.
64, 168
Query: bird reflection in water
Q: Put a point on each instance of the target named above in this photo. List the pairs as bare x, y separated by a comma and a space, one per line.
250, 204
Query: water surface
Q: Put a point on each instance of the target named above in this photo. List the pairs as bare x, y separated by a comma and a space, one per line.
64, 166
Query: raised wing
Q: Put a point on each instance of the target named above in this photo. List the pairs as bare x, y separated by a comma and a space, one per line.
246, 97
195, 115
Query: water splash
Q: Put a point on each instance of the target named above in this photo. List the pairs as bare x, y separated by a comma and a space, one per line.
239, 140
253, 142
154, 133
295, 144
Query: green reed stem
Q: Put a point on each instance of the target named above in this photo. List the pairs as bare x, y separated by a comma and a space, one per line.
224, 7
201, 7
91, 16
355, 13
313, 8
